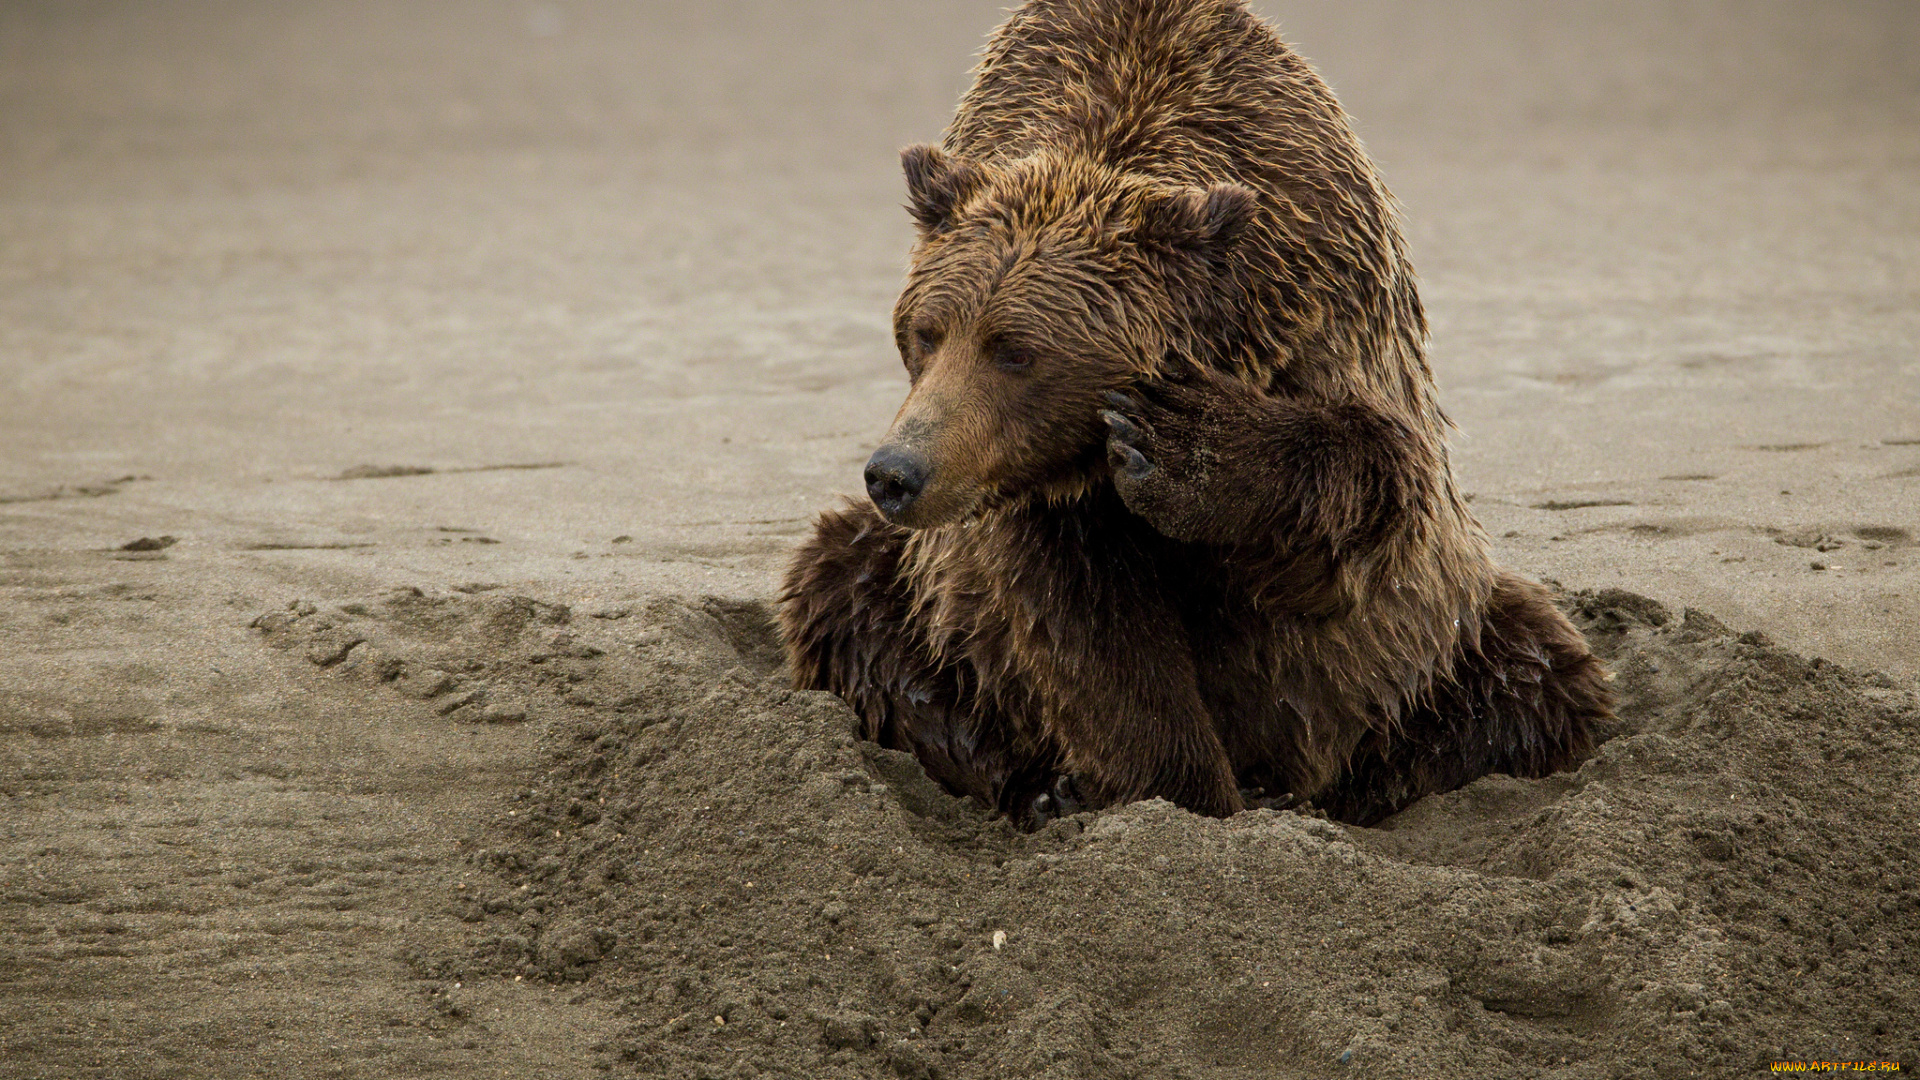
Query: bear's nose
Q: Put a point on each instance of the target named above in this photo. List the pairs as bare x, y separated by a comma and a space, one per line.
894, 479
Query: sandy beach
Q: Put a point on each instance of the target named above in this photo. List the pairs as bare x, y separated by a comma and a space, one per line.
406, 412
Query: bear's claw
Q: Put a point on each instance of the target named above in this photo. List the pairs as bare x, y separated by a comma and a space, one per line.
1119, 426
1122, 433
1064, 799
1126, 459
1256, 798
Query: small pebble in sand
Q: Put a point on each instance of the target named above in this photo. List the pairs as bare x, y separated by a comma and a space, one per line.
472, 696
426, 683
503, 712
999, 939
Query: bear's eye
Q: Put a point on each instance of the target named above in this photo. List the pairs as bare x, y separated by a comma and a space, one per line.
925, 340
1012, 357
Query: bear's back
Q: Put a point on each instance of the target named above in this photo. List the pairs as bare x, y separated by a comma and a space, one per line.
1190, 91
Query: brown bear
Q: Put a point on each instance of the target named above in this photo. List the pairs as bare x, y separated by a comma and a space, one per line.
1168, 511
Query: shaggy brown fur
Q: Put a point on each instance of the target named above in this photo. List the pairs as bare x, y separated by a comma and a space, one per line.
1168, 510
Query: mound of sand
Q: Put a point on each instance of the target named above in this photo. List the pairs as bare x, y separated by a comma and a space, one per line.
1729, 881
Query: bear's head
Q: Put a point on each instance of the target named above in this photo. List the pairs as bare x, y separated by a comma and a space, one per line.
1037, 286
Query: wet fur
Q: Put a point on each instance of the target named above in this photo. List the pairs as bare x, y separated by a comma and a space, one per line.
1209, 544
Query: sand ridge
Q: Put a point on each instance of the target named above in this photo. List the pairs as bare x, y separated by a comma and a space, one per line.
1729, 881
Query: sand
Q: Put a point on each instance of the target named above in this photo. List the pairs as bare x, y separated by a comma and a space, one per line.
408, 413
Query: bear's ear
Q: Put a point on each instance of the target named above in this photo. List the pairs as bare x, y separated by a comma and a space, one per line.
1198, 216
937, 184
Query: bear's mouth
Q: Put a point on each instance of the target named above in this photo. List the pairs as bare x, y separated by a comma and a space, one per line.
981, 507
989, 503
1077, 481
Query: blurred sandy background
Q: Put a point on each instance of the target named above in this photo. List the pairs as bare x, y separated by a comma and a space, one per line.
591, 299
1671, 252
